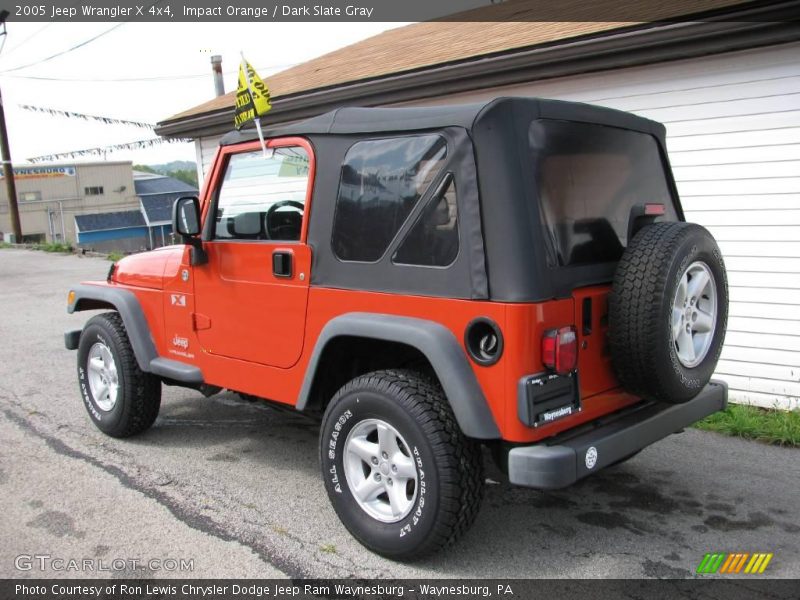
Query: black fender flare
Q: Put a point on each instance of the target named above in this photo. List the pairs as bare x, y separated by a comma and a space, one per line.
93, 297
436, 343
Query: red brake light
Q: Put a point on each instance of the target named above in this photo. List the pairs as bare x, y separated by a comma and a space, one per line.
560, 349
654, 209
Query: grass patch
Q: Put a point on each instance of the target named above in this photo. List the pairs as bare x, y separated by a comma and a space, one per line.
54, 247
778, 427
328, 548
5, 245
114, 256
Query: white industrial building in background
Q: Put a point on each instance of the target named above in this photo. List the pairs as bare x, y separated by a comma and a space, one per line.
728, 93
50, 195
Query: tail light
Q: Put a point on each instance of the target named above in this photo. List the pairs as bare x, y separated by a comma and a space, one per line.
560, 349
654, 210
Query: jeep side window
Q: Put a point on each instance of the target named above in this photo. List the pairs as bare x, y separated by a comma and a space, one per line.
380, 183
433, 240
263, 198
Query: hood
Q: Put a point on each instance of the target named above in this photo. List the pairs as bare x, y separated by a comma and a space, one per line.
146, 269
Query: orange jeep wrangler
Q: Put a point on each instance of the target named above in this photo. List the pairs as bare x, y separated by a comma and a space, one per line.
515, 274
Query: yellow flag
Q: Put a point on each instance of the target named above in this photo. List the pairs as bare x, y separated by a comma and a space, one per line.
252, 96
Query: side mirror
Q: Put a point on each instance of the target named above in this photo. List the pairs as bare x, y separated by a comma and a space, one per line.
186, 223
186, 216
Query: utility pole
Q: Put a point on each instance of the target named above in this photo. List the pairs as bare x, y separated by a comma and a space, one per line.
8, 171
5, 151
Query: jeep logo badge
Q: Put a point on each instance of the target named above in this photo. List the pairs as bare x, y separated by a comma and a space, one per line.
591, 457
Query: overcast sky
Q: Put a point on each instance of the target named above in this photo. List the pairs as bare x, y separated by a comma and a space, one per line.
170, 61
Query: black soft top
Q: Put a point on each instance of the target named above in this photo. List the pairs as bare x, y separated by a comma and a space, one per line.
355, 120
492, 150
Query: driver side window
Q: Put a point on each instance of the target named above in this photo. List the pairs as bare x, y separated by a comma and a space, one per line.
263, 198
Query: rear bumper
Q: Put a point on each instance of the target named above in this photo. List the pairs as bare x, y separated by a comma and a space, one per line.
573, 455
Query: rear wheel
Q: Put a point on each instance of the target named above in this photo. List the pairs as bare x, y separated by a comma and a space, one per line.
120, 398
401, 475
668, 309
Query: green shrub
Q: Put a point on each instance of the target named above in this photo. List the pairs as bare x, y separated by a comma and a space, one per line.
778, 427
54, 247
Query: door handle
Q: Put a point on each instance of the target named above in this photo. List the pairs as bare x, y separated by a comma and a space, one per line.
282, 264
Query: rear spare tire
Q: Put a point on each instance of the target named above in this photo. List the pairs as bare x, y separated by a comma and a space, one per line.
668, 310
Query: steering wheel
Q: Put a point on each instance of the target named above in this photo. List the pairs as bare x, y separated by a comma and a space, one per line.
281, 231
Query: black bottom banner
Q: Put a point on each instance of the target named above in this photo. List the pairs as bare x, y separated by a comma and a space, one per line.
247, 589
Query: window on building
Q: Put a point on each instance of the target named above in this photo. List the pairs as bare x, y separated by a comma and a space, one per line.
33, 238
95, 190
433, 240
381, 182
263, 198
30, 196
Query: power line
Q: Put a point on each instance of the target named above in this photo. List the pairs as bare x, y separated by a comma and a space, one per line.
134, 79
23, 42
73, 48
37, 32
67, 51
4, 35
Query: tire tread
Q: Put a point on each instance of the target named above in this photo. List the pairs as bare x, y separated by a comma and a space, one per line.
142, 391
636, 306
458, 459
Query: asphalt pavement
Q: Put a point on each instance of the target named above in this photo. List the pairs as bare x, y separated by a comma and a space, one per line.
223, 487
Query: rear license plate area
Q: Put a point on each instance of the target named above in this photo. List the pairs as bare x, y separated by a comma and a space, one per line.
547, 397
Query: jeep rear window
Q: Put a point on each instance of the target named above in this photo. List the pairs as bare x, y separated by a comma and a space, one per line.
380, 183
589, 177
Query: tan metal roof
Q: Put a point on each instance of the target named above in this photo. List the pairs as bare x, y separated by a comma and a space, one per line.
421, 45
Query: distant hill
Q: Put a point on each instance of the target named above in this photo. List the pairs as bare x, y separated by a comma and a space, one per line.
184, 170
175, 165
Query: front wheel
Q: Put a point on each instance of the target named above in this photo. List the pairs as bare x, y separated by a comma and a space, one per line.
120, 398
401, 475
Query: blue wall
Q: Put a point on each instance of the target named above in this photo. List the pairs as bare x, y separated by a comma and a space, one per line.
112, 234
167, 229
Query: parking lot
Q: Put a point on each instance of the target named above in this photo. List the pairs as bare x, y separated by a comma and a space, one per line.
234, 486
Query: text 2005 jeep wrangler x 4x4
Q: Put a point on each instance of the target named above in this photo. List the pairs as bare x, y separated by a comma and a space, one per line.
515, 274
